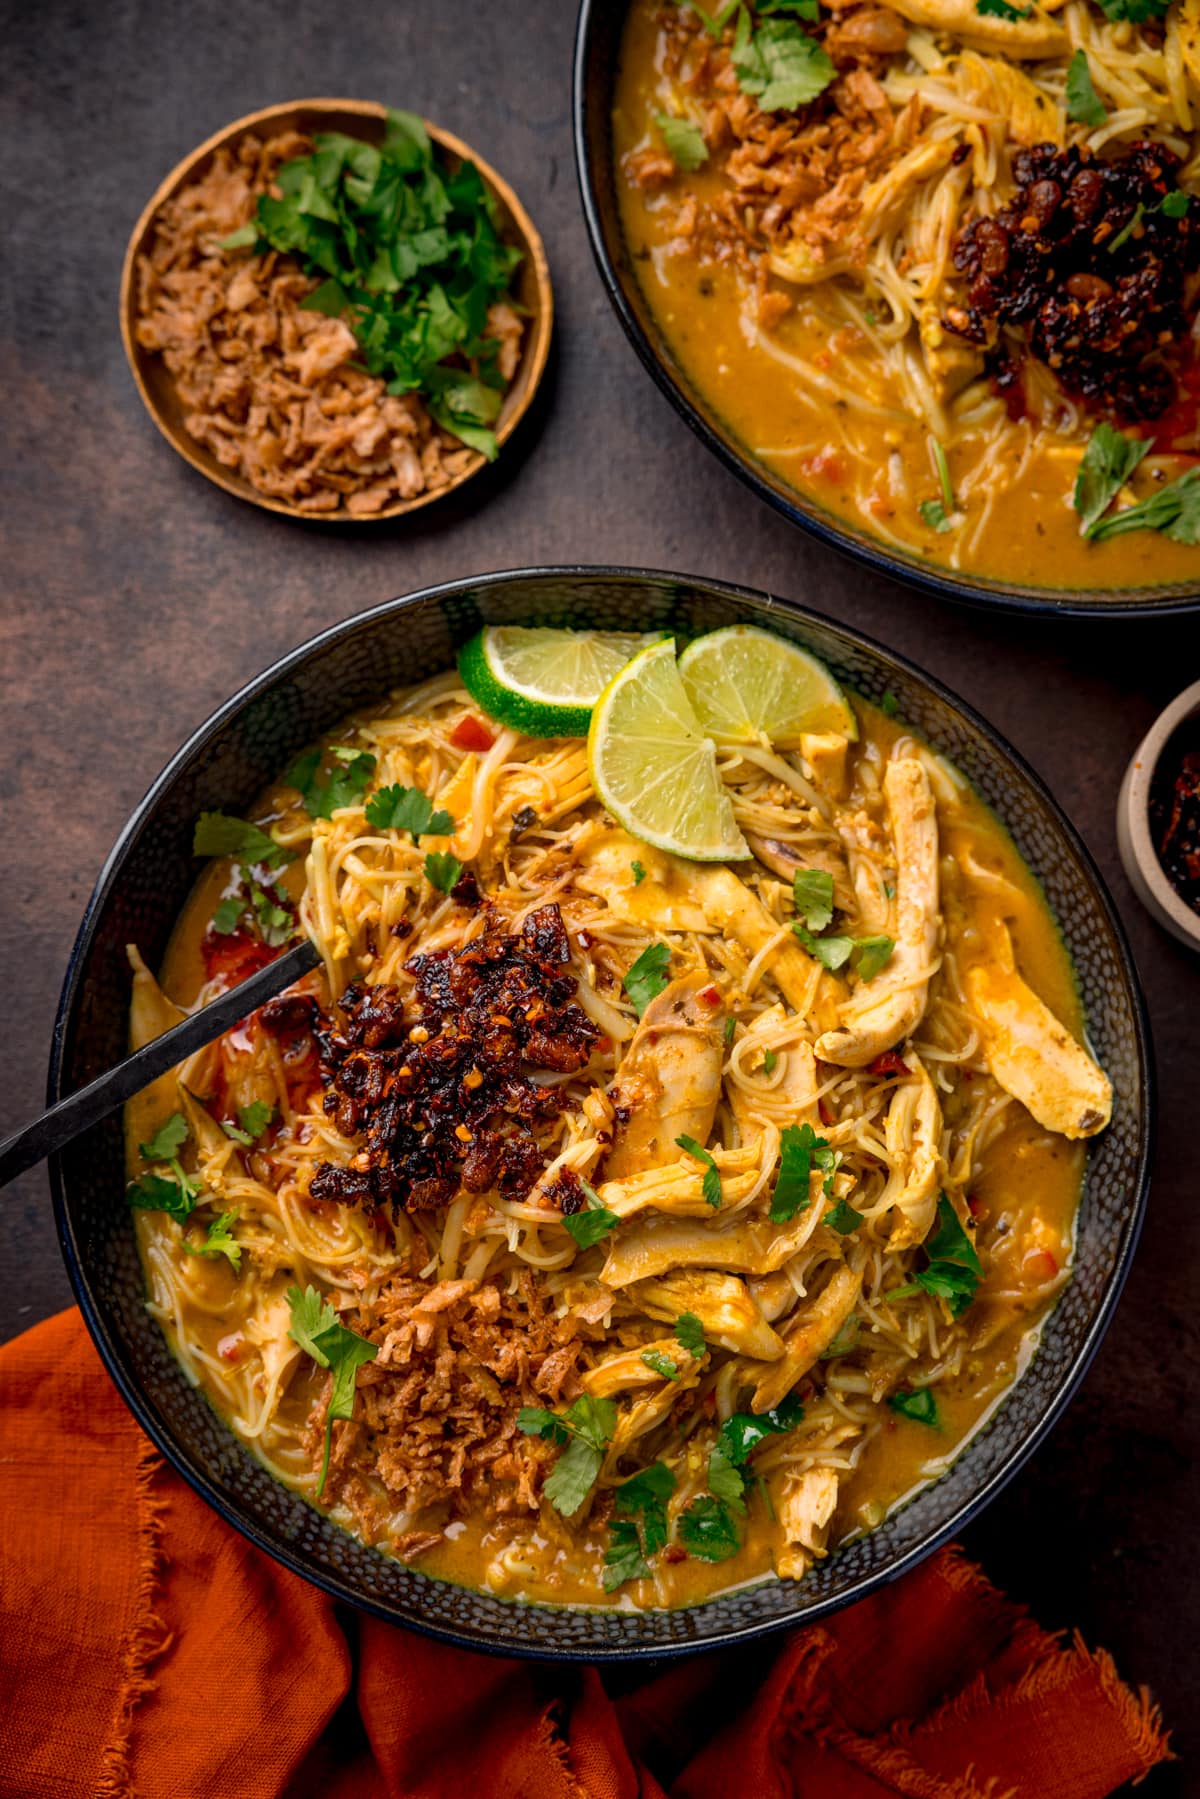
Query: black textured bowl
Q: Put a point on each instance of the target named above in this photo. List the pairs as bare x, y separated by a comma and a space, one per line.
597, 56
142, 889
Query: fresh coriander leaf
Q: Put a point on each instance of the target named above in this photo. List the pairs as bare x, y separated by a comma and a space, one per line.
639, 873
1174, 510
779, 63
726, 1481
872, 954
844, 1342
442, 870
950, 1242
219, 1241
1108, 461
217, 834
689, 1334
871, 316
241, 239
889, 705
812, 895
1128, 228
315, 1326
252, 1122
1084, 104
275, 922
684, 141
791, 1193
921, 1406
707, 1530
844, 1218
934, 514
586, 1427
831, 952
801, 9
648, 976
769, 1062
659, 1362
589, 1226
949, 503
399, 808
1174, 205
623, 1557
1000, 9
954, 1269
226, 917
167, 1141
348, 780
710, 1187
744, 1431
535, 1421
1136, 11
727, 1030
713, 23
154, 1193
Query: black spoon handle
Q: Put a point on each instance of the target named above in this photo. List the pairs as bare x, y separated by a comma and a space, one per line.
79, 1111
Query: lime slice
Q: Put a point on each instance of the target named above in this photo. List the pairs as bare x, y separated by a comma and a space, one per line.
654, 768
544, 682
746, 685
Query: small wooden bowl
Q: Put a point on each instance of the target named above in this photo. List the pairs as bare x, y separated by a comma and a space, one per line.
363, 119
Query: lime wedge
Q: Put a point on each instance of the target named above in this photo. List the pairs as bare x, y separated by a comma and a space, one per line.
654, 768
544, 682
746, 685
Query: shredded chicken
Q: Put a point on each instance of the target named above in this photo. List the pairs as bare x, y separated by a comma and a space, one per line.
271, 390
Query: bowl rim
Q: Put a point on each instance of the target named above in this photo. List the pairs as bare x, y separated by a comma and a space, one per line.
928, 578
534, 355
1142, 863
518, 1643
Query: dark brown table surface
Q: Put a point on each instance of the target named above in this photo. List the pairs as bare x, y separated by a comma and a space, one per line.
137, 596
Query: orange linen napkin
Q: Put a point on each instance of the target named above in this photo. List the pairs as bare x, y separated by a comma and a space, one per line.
146, 1649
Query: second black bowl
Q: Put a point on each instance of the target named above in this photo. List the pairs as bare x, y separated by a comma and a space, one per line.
141, 891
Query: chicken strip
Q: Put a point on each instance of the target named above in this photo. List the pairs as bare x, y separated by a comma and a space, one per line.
884, 1010
678, 1187
669, 1081
618, 1373
1025, 39
809, 1334
731, 907
723, 1304
1034, 1057
662, 900
806, 1505
913, 1134
755, 1246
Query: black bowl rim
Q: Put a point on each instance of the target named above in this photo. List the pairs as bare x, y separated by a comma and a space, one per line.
980, 591
519, 1645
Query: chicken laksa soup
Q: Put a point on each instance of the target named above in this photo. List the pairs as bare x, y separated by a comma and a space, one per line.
935, 264
602, 1222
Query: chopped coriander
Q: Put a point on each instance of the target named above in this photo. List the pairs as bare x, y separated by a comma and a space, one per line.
1174, 510
1084, 104
769, 1061
1128, 228
843, 1218
1175, 204
779, 63
872, 954
710, 1187
648, 976
689, 1334
1136, 11
399, 808
1108, 461
1000, 9
889, 705
707, 1530
831, 952
659, 1362
219, 1241
954, 1270
316, 1327
844, 1342
643, 1497
275, 922
347, 782
252, 1122
920, 1406
217, 834
738, 1437
812, 896
725, 1480
226, 917
803, 9
167, 1140
713, 23
586, 1427
943, 474
684, 142
411, 258
800, 1149
727, 1030
177, 1195
639, 873
587, 1227
934, 514
442, 870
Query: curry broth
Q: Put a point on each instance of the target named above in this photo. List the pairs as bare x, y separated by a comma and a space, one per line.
1028, 1193
700, 309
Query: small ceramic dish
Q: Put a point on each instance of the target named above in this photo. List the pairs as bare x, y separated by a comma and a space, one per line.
362, 119
1146, 874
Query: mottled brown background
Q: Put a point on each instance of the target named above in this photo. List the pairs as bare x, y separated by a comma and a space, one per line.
136, 597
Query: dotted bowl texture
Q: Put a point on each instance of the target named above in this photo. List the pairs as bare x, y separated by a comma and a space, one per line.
139, 895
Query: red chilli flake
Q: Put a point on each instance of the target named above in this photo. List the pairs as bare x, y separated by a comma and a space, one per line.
889, 1063
470, 733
